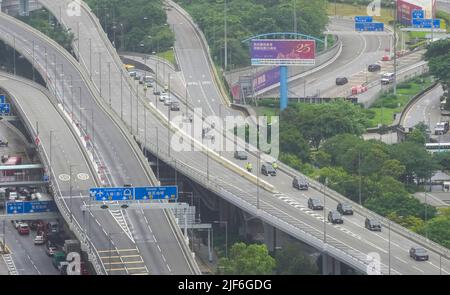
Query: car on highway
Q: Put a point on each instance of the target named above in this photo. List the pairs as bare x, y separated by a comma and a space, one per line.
175, 106
335, 217
3, 143
418, 254
50, 248
387, 78
53, 226
23, 229
315, 204
372, 224
156, 92
163, 97
441, 128
132, 73
374, 68
168, 101
341, 81
267, 169
39, 239
300, 183
13, 196
240, 155
345, 208
16, 223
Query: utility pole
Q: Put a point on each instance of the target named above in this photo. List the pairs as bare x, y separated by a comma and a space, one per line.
359, 172
395, 50
226, 35
295, 17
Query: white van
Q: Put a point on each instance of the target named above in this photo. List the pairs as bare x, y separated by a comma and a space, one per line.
387, 78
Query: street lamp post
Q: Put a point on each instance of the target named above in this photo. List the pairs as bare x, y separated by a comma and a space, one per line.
157, 152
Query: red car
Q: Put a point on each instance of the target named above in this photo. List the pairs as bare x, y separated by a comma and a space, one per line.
23, 229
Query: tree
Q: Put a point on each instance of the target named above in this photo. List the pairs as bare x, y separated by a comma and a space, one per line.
393, 168
438, 56
292, 261
438, 228
418, 162
245, 259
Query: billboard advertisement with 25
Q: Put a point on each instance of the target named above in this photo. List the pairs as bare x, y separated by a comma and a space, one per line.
283, 52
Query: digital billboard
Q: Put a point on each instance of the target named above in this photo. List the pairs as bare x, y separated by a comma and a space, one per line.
283, 52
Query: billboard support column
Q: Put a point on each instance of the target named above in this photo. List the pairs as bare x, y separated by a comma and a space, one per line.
283, 87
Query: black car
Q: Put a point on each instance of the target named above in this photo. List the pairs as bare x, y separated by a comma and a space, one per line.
175, 106
335, 217
240, 155
3, 143
345, 208
300, 183
267, 169
315, 204
372, 224
418, 253
341, 81
374, 68
156, 92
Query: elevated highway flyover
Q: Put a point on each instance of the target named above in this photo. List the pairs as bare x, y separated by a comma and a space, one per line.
273, 200
153, 237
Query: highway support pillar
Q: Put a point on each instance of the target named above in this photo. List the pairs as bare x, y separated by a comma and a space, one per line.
325, 43
269, 236
283, 87
24, 8
209, 245
330, 265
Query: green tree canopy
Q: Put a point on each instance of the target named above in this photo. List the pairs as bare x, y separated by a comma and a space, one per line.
245, 259
291, 261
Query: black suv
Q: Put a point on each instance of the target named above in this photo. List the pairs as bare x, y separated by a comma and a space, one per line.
341, 81
418, 253
335, 217
267, 169
372, 224
345, 208
300, 183
374, 68
240, 155
315, 204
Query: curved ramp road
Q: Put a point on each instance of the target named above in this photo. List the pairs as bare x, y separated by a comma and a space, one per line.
286, 210
152, 243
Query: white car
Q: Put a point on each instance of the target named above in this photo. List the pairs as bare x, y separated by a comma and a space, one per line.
17, 223
13, 196
168, 101
163, 97
39, 240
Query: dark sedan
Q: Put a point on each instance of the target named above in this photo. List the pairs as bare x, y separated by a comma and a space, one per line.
335, 217
418, 254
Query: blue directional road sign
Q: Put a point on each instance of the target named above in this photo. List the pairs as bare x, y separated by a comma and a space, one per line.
418, 14
5, 108
2, 98
30, 207
363, 19
156, 193
369, 27
112, 193
426, 23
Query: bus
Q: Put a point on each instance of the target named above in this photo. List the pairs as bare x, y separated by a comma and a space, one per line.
437, 147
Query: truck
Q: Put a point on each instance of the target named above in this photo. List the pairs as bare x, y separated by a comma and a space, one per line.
57, 258
71, 246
